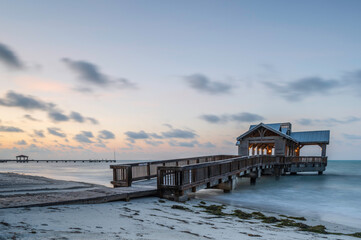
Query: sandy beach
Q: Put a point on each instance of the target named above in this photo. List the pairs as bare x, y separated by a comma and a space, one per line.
145, 218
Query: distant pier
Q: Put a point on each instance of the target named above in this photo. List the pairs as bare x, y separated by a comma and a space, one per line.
57, 161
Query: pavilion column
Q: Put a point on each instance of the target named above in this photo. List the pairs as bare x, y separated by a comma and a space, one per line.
269, 150
323, 152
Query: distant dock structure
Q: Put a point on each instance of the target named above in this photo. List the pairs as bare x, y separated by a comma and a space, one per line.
22, 158
25, 159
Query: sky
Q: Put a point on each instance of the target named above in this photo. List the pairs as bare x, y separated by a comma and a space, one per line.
168, 79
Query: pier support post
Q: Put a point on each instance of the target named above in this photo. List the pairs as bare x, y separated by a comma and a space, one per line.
228, 185
277, 172
253, 177
320, 172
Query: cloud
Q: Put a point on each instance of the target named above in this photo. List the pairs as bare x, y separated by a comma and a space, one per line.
77, 117
203, 84
21, 142
31, 118
239, 117
183, 144
328, 121
58, 116
9, 58
352, 136
90, 73
246, 117
156, 136
132, 136
170, 134
10, 129
305, 87
153, 143
39, 133
28, 102
13, 99
211, 118
84, 137
190, 144
178, 133
105, 134
56, 132
207, 145
92, 120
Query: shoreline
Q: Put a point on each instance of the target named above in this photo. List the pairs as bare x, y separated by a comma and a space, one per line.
155, 219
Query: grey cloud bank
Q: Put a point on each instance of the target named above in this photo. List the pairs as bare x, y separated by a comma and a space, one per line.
10, 129
39, 133
105, 134
239, 117
309, 86
203, 84
90, 73
29, 103
56, 132
328, 121
9, 58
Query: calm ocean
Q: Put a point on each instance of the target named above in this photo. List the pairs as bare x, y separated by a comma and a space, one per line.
333, 197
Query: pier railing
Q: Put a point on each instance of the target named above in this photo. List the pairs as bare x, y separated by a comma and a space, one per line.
125, 174
185, 177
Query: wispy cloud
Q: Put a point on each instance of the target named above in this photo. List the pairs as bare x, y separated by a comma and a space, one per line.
328, 121
153, 143
132, 136
39, 133
203, 84
21, 142
56, 132
29, 103
105, 134
179, 133
301, 88
238, 117
84, 137
172, 133
191, 144
352, 136
90, 73
9, 58
10, 129
310, 86
31, 118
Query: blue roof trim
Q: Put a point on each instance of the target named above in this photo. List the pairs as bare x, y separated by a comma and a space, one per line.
312, 136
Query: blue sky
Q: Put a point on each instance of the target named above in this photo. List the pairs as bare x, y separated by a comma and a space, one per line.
165, 79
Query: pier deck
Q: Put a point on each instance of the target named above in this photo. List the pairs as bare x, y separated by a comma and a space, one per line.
178, 177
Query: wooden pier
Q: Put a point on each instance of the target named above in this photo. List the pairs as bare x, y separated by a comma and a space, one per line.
262, 150
176, 178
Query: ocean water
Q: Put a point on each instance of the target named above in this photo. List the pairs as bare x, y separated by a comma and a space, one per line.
94, 172
333, 197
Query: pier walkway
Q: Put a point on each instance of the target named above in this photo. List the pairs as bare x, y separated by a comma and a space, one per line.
177, 177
